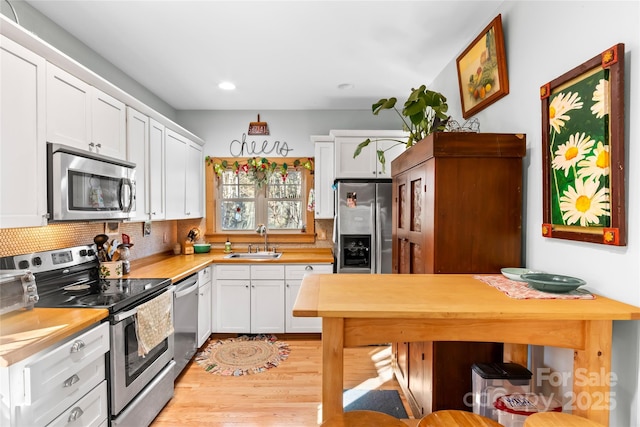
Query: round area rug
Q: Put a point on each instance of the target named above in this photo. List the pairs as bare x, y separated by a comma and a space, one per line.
244, 355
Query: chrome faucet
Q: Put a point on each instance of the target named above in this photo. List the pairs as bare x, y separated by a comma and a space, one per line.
262, 230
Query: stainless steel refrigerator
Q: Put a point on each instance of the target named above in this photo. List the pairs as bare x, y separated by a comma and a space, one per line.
362, 226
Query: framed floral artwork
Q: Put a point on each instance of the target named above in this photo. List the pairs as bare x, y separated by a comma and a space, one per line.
482, 70
583, 152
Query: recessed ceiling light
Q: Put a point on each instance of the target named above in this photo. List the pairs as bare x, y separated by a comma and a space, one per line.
345, 86
227, 86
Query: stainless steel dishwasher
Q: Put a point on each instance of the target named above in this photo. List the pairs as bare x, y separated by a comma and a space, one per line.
185, 306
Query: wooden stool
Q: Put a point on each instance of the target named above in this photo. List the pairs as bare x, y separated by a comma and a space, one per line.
363, 419
558, 419
448, 418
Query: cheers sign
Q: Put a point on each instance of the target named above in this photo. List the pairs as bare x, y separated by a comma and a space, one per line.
246, 148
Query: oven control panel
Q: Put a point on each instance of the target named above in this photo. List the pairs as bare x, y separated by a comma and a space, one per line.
50, 260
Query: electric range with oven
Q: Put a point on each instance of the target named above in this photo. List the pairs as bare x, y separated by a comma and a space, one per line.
139, 386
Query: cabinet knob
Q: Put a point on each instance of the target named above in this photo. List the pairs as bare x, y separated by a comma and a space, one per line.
75, 414
77, 346
71, 380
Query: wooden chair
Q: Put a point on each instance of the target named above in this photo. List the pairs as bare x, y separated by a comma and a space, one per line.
448, 418
363, 419
558, 419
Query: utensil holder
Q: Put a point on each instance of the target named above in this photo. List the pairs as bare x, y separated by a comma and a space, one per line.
110, 270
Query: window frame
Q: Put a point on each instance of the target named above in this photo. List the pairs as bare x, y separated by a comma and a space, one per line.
214, 235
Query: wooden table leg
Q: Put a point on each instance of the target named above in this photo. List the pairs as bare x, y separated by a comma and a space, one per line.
591, 373
516, 353
332, 366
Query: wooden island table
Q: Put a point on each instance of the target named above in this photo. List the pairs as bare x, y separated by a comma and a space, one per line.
364, 309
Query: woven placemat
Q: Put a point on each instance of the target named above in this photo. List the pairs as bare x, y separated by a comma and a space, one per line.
521, 290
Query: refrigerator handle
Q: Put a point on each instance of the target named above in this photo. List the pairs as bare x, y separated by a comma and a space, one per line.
377, 267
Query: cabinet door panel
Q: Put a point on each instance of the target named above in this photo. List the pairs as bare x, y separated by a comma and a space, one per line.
22, 136
156, 170
204, 313
267, 306
108, 125
175, 173
194, 181
138, 153
362, 166
68, 109
323, 180
234, 306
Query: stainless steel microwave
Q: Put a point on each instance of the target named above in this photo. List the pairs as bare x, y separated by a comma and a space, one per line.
85, 186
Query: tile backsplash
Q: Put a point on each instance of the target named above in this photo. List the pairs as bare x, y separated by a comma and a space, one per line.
164, 235
15, 241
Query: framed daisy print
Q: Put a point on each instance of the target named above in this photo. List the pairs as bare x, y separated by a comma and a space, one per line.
583, 152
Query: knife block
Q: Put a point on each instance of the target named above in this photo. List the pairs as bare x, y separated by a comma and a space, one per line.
187, 248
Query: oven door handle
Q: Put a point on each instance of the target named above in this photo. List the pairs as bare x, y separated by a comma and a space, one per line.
119, 317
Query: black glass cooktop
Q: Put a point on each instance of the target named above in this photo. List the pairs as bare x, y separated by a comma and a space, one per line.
113, 294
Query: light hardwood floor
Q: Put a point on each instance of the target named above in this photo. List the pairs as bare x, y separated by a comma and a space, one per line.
289, 395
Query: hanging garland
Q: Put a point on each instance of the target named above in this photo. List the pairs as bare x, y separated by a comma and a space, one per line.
259, 169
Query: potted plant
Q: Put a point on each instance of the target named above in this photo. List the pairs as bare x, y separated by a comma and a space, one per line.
424, 112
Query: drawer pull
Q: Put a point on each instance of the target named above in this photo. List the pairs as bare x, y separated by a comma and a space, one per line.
77, 346
72, 380
308, 268
75, 414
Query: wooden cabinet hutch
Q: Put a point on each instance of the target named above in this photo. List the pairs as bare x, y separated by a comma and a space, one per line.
457, 208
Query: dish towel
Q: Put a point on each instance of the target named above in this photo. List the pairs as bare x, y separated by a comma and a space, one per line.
521, 290
311, 201
154, 322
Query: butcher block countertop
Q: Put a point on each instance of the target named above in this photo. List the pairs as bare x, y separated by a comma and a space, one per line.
440, 296
177, 267
24, 333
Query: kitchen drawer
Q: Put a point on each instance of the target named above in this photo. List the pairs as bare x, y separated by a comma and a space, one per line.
233, 271
298, 271
204, 276
58, 399
47, 374
89, 411
267, 272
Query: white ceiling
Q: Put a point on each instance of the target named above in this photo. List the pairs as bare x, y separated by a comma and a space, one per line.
280, 54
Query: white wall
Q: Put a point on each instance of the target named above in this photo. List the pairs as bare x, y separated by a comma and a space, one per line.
544, 40
220, 128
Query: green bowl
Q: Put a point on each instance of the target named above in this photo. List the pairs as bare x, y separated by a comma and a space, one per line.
555, 283
201, 248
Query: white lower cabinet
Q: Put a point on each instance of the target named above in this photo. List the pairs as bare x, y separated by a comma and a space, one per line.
249, 298
293, 280
62, 385
267, 299
204, 305
259, 298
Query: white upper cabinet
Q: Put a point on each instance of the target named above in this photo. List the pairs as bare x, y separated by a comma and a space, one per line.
138, 153
23, 180
366, 165
84, 117
108, 124
184, 171
324, 175
156, 188
194, 180
68, 109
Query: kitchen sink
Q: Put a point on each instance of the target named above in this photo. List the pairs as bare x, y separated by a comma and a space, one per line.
254, 255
